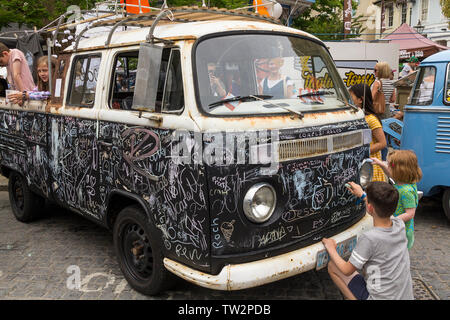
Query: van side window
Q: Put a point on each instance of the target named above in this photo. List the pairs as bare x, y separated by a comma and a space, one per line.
173, 99
159, 80
447, 86
123, 80
84, 80
424, 87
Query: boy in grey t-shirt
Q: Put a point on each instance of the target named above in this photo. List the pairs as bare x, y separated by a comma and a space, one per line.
380, 253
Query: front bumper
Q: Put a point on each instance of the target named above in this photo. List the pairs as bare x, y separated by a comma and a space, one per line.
256, 273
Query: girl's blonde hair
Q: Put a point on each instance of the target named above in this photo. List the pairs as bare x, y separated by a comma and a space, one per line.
43, 86
404, 166
384, 71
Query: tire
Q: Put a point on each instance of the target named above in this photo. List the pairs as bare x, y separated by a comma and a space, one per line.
26, 205
139, 254
446, 202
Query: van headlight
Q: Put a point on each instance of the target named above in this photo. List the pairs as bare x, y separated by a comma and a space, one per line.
259, 202
365, 173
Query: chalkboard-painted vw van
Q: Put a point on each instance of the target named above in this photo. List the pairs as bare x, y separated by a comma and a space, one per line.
214, 144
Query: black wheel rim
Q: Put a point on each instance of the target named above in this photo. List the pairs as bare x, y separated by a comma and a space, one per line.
18, 193
136, 251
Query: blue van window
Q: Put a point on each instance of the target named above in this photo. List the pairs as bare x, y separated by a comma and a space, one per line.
447, 86
423, 90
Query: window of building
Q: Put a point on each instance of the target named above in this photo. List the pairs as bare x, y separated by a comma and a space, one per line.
424, 11
390, 14
404, 12
84, 80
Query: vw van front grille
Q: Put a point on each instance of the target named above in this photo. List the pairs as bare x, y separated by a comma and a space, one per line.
347, 141
306, 148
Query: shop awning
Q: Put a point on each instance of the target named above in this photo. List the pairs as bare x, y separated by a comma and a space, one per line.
412, 43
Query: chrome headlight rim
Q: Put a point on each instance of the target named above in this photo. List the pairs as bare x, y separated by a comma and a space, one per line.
248, 203
365, 173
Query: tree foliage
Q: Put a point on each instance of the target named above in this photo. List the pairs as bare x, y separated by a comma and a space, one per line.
445, 5
325, 18
37, 13
40, 13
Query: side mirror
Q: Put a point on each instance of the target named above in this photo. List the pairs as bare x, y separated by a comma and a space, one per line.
365, 173
147, 77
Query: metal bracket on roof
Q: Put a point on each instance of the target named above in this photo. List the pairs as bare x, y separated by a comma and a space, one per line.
164, 13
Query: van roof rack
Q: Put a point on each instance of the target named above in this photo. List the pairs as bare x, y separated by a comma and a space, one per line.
174, 15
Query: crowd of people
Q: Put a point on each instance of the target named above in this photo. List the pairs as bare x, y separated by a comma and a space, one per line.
19, 76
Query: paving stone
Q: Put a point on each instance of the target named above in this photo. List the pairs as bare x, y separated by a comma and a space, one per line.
34, 260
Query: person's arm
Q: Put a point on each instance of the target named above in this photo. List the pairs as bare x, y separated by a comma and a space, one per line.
383, 165
16, 97
16, 76
409, 202
393, 96
408, 215
380, 138
218, 86
290, 91
375, 88
38, 95
344, 266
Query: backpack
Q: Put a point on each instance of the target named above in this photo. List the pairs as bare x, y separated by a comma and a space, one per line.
379, 102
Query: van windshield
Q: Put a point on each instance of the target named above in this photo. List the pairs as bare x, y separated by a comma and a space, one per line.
262, 73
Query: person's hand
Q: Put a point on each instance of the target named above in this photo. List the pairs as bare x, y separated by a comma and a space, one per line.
398, 115
15, 98
377, 161
355, 189
215, 81
329, 244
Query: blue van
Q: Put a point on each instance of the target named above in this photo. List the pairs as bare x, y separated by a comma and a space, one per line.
426, 125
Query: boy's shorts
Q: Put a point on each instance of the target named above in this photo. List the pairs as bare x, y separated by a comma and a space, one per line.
358, 287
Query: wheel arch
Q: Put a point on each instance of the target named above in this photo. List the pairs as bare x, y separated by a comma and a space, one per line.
120, 199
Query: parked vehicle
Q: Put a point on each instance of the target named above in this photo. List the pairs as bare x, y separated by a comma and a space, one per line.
228, 192
426, 126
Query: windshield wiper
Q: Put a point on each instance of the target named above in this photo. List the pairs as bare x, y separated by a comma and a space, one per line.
240, 98
355, 108
298, 113
315, 93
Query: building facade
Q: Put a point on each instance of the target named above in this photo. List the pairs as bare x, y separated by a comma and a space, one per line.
425, 13
429, 13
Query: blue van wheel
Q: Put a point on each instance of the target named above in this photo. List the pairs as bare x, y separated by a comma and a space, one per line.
446, 202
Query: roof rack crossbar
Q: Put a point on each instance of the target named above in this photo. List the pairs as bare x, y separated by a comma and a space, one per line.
159, 14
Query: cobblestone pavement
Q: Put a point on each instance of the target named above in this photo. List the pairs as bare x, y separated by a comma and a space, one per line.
38, 259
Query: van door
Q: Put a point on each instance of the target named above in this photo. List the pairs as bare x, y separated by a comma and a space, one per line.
73, 149
135, 154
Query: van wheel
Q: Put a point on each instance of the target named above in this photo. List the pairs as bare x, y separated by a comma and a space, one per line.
446, 202
139, 255
25, 204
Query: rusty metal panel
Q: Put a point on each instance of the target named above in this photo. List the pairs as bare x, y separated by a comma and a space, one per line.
59, 78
